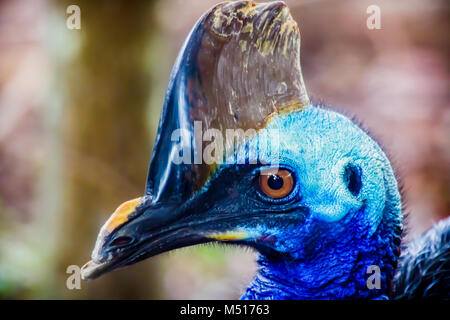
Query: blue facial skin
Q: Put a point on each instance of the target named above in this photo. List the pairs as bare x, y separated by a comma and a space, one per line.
343, 215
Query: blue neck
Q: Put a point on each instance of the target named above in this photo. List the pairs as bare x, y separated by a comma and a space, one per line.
338, 272
303, 281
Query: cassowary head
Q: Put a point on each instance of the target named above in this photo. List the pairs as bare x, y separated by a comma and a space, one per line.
243, 157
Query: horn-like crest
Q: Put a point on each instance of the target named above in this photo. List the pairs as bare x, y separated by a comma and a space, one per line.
239, 65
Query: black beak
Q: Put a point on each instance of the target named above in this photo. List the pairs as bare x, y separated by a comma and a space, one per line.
156, 230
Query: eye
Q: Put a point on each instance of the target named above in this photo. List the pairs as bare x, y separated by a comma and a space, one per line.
276, 183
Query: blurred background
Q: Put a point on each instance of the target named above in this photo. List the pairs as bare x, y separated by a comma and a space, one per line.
79, 111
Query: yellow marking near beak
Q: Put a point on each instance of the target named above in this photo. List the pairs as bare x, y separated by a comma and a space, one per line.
120, 216
229, 235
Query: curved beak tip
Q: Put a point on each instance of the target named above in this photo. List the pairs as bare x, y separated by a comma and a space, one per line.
92, 270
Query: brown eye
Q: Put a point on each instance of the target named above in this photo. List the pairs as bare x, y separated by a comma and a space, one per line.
276, 183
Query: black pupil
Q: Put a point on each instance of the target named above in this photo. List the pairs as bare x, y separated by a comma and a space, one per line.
275, 182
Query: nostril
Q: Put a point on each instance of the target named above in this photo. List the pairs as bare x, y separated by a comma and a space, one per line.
121, 241
352, 179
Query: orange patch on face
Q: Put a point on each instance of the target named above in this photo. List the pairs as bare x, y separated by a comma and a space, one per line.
120, 216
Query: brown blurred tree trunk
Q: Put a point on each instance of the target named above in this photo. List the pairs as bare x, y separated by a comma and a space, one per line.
106, 141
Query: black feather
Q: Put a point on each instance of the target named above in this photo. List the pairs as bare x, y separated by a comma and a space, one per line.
424, 266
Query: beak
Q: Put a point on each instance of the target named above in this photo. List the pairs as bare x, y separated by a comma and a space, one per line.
140, 229
123, 213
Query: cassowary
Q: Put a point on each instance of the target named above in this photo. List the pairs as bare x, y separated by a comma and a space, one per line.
304, 186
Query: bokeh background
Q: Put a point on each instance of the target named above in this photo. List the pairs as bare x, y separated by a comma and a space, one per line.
79, 110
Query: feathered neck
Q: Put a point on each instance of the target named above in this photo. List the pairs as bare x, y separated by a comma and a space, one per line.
338, 272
